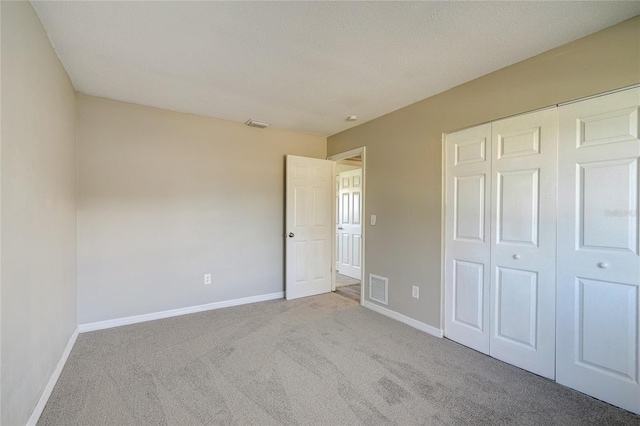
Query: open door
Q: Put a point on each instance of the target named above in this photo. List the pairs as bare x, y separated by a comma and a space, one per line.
309, 226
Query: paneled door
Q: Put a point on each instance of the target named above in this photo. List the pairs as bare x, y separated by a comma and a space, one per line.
599, 266
523, 241
467, 240
309, 226
349, 227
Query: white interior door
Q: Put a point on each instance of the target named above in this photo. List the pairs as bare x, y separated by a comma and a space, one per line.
523, 241
599, 266
349, 232
309, 226
467, 240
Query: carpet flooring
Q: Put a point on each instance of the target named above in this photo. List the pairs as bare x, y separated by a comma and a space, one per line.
321, 360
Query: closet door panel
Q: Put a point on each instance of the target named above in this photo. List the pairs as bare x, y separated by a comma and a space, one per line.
618, 303
613, 181
469, 207
516, 306
523, 241
518, 196
598, 262
467, 251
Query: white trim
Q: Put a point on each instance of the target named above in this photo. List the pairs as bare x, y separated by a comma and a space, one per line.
597, 95
443, 230
343, 156
46, 393
101, 325
499, 119
334, 218
363, 258
403, 319
347, 154
572, 101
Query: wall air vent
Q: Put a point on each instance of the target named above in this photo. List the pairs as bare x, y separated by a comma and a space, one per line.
256, 123
379, 289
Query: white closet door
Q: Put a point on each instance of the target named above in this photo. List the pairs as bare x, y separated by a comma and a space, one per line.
349, 230
467, 252
523, 241
598, 263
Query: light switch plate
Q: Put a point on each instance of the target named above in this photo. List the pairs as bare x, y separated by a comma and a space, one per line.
373, 220
415, 292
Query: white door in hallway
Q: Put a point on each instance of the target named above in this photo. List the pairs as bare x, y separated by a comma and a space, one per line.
349, 226
309, 226
598, 253
523, 241
467, 239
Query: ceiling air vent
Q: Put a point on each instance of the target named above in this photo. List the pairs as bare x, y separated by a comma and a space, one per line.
256, 123
379, 289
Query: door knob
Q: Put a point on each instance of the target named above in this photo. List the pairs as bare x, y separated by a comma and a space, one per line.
291, 235
516, 256
340, 228
603, 265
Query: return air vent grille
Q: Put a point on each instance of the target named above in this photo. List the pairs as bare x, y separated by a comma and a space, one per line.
379, 289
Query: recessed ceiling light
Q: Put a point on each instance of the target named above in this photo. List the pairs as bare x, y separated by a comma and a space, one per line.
255, 123
352, 118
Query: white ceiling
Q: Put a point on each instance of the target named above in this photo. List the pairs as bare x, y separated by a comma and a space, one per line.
303, 66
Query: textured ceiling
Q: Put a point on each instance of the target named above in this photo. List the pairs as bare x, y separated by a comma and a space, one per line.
303, 66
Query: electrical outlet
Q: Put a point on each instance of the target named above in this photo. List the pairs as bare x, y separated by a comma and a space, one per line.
415, 292
207, 279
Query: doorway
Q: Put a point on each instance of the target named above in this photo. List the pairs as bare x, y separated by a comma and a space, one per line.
348, 259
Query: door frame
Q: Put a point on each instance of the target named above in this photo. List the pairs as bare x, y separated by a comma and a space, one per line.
443, 230
344, 156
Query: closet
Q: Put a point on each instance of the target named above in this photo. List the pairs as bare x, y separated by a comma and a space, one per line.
542, 263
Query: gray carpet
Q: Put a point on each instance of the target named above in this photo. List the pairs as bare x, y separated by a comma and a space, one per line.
319, 360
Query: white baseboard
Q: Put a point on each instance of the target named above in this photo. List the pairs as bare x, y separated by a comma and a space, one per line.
46, 393
403, 318
101, 325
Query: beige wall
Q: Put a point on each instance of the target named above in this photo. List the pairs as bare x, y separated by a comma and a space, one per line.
404, 186
38, 213
166, 197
